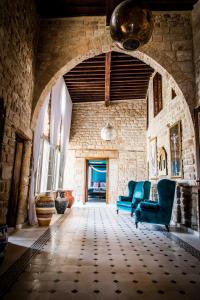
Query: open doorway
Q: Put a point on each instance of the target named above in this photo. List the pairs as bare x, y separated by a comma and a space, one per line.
16, 182
96, 180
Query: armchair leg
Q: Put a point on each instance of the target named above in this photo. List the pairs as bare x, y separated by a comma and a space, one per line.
136, 224
167, 227
131, 212
117, 211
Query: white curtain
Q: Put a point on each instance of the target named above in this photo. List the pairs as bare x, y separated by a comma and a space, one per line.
66, 124
55, 123
44, 166
57, 168
55, 120
36, 149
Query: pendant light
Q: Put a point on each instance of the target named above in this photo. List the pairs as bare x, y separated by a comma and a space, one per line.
108, 132
131, 25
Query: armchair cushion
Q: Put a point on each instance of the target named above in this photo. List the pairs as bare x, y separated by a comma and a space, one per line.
124, 203
124, 198
149, 206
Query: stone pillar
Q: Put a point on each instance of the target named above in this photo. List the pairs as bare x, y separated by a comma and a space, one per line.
186, 204
195, 208
187, 207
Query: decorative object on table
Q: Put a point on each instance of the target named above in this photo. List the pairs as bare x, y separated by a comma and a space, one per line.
45, 208
131, 25
108, 132
61, 204
162, 162
158, 212
3, 240
175, 150
69, 197
153, 158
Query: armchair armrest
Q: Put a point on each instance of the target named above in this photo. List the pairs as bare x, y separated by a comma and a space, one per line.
149, 206
151, 201
124, 198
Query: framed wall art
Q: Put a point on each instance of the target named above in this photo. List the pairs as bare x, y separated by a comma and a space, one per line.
175, 150
162, 162
153, 159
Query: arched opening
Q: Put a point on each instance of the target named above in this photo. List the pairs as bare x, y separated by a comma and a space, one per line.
130, 155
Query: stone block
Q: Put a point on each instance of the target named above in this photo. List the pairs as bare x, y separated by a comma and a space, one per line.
184, 55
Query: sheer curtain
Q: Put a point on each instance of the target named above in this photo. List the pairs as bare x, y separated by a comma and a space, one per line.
36, 149
56, 101
44, 166
66, 124
52, 164
55, 124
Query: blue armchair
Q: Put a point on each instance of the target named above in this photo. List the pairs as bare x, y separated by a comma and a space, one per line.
140, 191
158, 212
131, 187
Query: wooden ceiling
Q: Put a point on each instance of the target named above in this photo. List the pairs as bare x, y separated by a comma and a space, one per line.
70, 8
108, 77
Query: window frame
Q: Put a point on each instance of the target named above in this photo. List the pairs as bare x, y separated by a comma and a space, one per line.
157, 94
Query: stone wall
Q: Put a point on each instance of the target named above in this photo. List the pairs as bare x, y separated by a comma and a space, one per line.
18, 40
66, 42
174, 110
196, 41
126, 153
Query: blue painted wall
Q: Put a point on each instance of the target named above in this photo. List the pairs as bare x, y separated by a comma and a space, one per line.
98, 176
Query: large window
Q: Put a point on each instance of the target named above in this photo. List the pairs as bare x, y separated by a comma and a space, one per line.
157, 94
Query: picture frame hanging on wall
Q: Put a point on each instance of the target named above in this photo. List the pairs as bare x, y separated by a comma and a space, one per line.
175, 150
153, 158
162, 162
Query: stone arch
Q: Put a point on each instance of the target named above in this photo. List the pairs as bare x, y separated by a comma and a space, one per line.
150, 54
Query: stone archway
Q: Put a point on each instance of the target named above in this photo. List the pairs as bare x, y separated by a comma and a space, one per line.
185, 91
65, 43
55, 65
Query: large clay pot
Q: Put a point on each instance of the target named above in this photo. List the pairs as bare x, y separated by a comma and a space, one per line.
3, 241
44, 209
70, 198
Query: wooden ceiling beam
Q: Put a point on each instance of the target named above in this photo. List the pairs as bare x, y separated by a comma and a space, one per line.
130, 68
127, 90
85, 88
137, 72
107, 78
135, 76
137, 97
132, 84
90, 69
87, 73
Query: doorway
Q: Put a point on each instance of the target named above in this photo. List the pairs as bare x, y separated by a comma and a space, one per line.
15, 183
96, 187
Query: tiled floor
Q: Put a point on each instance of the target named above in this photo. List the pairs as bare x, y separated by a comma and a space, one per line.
97, 254
19, 241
